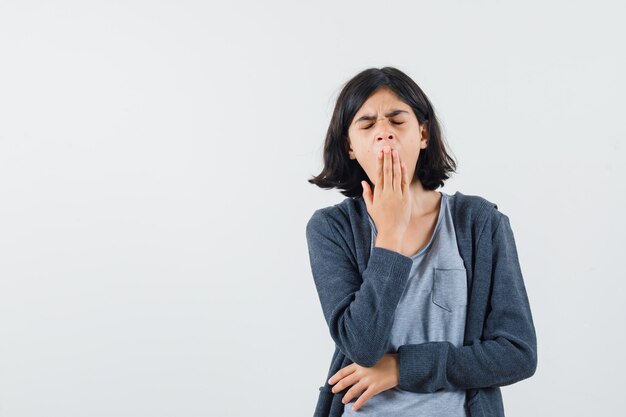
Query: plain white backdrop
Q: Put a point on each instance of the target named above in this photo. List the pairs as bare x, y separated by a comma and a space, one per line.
154, 159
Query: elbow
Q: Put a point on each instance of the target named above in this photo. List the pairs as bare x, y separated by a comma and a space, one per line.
522, 363
529, 358
362, 339
530, 363
363, 352
527, 363
359, 345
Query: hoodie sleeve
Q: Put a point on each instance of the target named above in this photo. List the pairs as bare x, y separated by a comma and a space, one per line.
358, 308
507, 351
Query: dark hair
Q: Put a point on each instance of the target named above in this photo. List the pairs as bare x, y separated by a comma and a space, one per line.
433, 164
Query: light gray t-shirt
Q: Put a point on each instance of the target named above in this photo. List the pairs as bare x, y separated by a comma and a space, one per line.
432, 308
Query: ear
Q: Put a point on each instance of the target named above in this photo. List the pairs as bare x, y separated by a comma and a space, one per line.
424, 133
350, 151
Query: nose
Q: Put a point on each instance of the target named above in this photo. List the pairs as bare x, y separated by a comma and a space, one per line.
385, 135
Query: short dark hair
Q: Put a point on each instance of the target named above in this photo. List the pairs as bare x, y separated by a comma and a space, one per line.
345, 174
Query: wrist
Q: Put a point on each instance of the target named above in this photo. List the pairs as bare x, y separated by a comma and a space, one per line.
393, 243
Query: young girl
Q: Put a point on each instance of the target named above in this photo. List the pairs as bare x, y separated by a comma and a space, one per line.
422, 291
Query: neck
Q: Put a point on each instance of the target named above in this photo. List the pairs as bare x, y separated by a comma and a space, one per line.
424, 201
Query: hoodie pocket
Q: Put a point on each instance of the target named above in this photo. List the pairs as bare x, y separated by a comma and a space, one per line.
450, 288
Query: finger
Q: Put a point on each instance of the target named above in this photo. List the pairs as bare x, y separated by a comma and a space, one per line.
397, 172
367, 195
387, 177
334, 378
353, 392
337, 376
379, 173
345, 381
369, 393
405, 177
341, 374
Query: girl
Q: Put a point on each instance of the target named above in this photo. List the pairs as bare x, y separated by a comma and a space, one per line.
422, 291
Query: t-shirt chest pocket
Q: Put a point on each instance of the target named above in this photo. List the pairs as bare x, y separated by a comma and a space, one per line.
450, 288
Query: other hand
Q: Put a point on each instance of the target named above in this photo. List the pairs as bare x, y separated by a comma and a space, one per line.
368, 381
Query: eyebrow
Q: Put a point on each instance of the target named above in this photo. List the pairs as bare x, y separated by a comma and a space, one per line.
391, 114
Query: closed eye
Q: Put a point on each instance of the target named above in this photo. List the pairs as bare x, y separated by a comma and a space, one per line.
395, 123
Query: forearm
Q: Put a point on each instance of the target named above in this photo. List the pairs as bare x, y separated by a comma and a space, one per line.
432, 366
361, 324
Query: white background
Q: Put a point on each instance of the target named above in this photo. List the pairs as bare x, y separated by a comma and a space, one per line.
154, 159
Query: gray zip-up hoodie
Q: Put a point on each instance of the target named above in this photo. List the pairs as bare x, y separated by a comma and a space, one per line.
359, 292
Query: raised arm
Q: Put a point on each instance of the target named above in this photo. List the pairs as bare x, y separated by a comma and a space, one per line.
506, 353
358, 308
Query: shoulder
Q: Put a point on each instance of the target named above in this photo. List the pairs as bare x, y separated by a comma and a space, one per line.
476, 211
340, 216
471, 203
